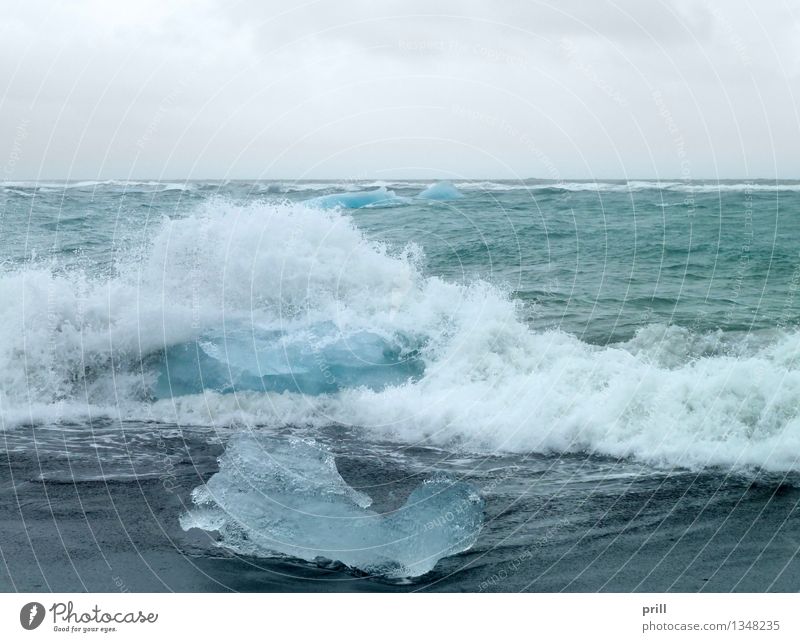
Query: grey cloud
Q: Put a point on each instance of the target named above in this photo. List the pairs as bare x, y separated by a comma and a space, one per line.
363, 88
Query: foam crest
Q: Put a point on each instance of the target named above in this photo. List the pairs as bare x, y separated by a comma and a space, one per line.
267, 267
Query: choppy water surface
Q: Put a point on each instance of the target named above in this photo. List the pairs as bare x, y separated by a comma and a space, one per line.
391, 386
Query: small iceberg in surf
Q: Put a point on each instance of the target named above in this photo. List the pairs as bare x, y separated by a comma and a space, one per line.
286, 498
441, 191
379, 197
382, 197
316, 360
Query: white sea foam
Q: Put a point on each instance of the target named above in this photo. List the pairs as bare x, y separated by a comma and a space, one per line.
123, 185
71, 346
628, 186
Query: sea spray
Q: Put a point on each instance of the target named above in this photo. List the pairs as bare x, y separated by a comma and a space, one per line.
75, 344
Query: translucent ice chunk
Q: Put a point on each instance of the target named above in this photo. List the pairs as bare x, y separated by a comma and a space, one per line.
319, 360
441, 191
286, 497
356, 200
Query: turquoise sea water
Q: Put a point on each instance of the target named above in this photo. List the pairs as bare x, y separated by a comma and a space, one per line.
526, 359
597, 259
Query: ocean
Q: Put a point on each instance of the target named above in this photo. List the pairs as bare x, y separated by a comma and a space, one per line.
332, 385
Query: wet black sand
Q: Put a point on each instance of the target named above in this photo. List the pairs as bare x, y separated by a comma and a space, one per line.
73, 523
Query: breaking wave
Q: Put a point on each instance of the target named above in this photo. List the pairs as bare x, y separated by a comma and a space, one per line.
282, 314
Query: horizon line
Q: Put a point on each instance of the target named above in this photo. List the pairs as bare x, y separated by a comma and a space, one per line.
421, 178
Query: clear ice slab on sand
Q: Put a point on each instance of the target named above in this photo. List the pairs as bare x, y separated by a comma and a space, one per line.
286, 498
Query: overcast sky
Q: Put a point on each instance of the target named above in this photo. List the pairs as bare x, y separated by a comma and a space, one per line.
377, 89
